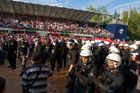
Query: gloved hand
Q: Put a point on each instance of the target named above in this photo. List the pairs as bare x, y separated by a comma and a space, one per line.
68, 74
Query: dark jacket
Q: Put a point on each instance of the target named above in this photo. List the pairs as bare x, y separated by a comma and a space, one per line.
84, 82
111, 82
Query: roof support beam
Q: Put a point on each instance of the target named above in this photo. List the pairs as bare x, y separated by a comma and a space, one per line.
13, 9
66, 15
49, 11
26, 8
20, 8
84, 17
76, 14
45, 10
60, 12
55, 9
72, 14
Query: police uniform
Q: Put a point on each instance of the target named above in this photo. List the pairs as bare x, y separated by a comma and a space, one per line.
74, 56
1, 56
64, 53
129, 72
100, 56
112, 82
125, 57
12, 50
5, 50
44, 53
24, 51
74, 59
84, 83
56, 56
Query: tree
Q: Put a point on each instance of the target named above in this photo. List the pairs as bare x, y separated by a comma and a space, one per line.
91, 8
102, 10
132, 17
98, 13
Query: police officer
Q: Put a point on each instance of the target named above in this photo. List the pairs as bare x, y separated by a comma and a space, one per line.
64, 53
136, 58
36, 42
24, 52
94, 47
45, 52
85, 71
125, 54
73, 58
102, 52
130, 70
1, 55
5, 49
137, 89
113, 49
12, 52
111, 80
56, 55
73, 55
121, 48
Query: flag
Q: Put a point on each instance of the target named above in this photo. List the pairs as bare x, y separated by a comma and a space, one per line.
121, 14
129, 11
115, 14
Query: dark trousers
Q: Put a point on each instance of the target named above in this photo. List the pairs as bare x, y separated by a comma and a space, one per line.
2, 58
64, 61
55, 60
24, 61
12, 60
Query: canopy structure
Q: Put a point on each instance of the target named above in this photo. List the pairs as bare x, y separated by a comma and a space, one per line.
8, 6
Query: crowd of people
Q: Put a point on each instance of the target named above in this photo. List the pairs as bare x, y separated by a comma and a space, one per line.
51, 25
94, 67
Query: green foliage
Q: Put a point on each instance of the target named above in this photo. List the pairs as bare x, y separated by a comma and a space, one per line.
133, 23
130, 17
91, 8
98, 17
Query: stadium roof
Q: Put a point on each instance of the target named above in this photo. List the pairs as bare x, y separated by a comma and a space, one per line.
8, 6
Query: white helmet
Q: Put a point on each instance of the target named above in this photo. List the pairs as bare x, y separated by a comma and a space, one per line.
107, 43
114, 50
86, 52
116, 59
137, 43
89, 44
87, 41
85, 47
126, 45
76, 41
135, 54
133, 46
101, 44
83, 42
69, 44
120, 45
113, 44
93, 42
111, 47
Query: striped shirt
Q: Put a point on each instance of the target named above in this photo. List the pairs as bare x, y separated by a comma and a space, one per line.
40, 85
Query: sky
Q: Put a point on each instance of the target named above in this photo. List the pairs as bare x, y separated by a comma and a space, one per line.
111, 5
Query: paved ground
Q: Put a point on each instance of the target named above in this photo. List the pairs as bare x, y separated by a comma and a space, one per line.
13, 81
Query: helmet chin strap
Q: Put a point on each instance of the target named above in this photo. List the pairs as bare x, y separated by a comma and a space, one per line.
115, 65
90, 58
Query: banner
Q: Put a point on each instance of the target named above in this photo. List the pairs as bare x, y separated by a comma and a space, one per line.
119, 30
